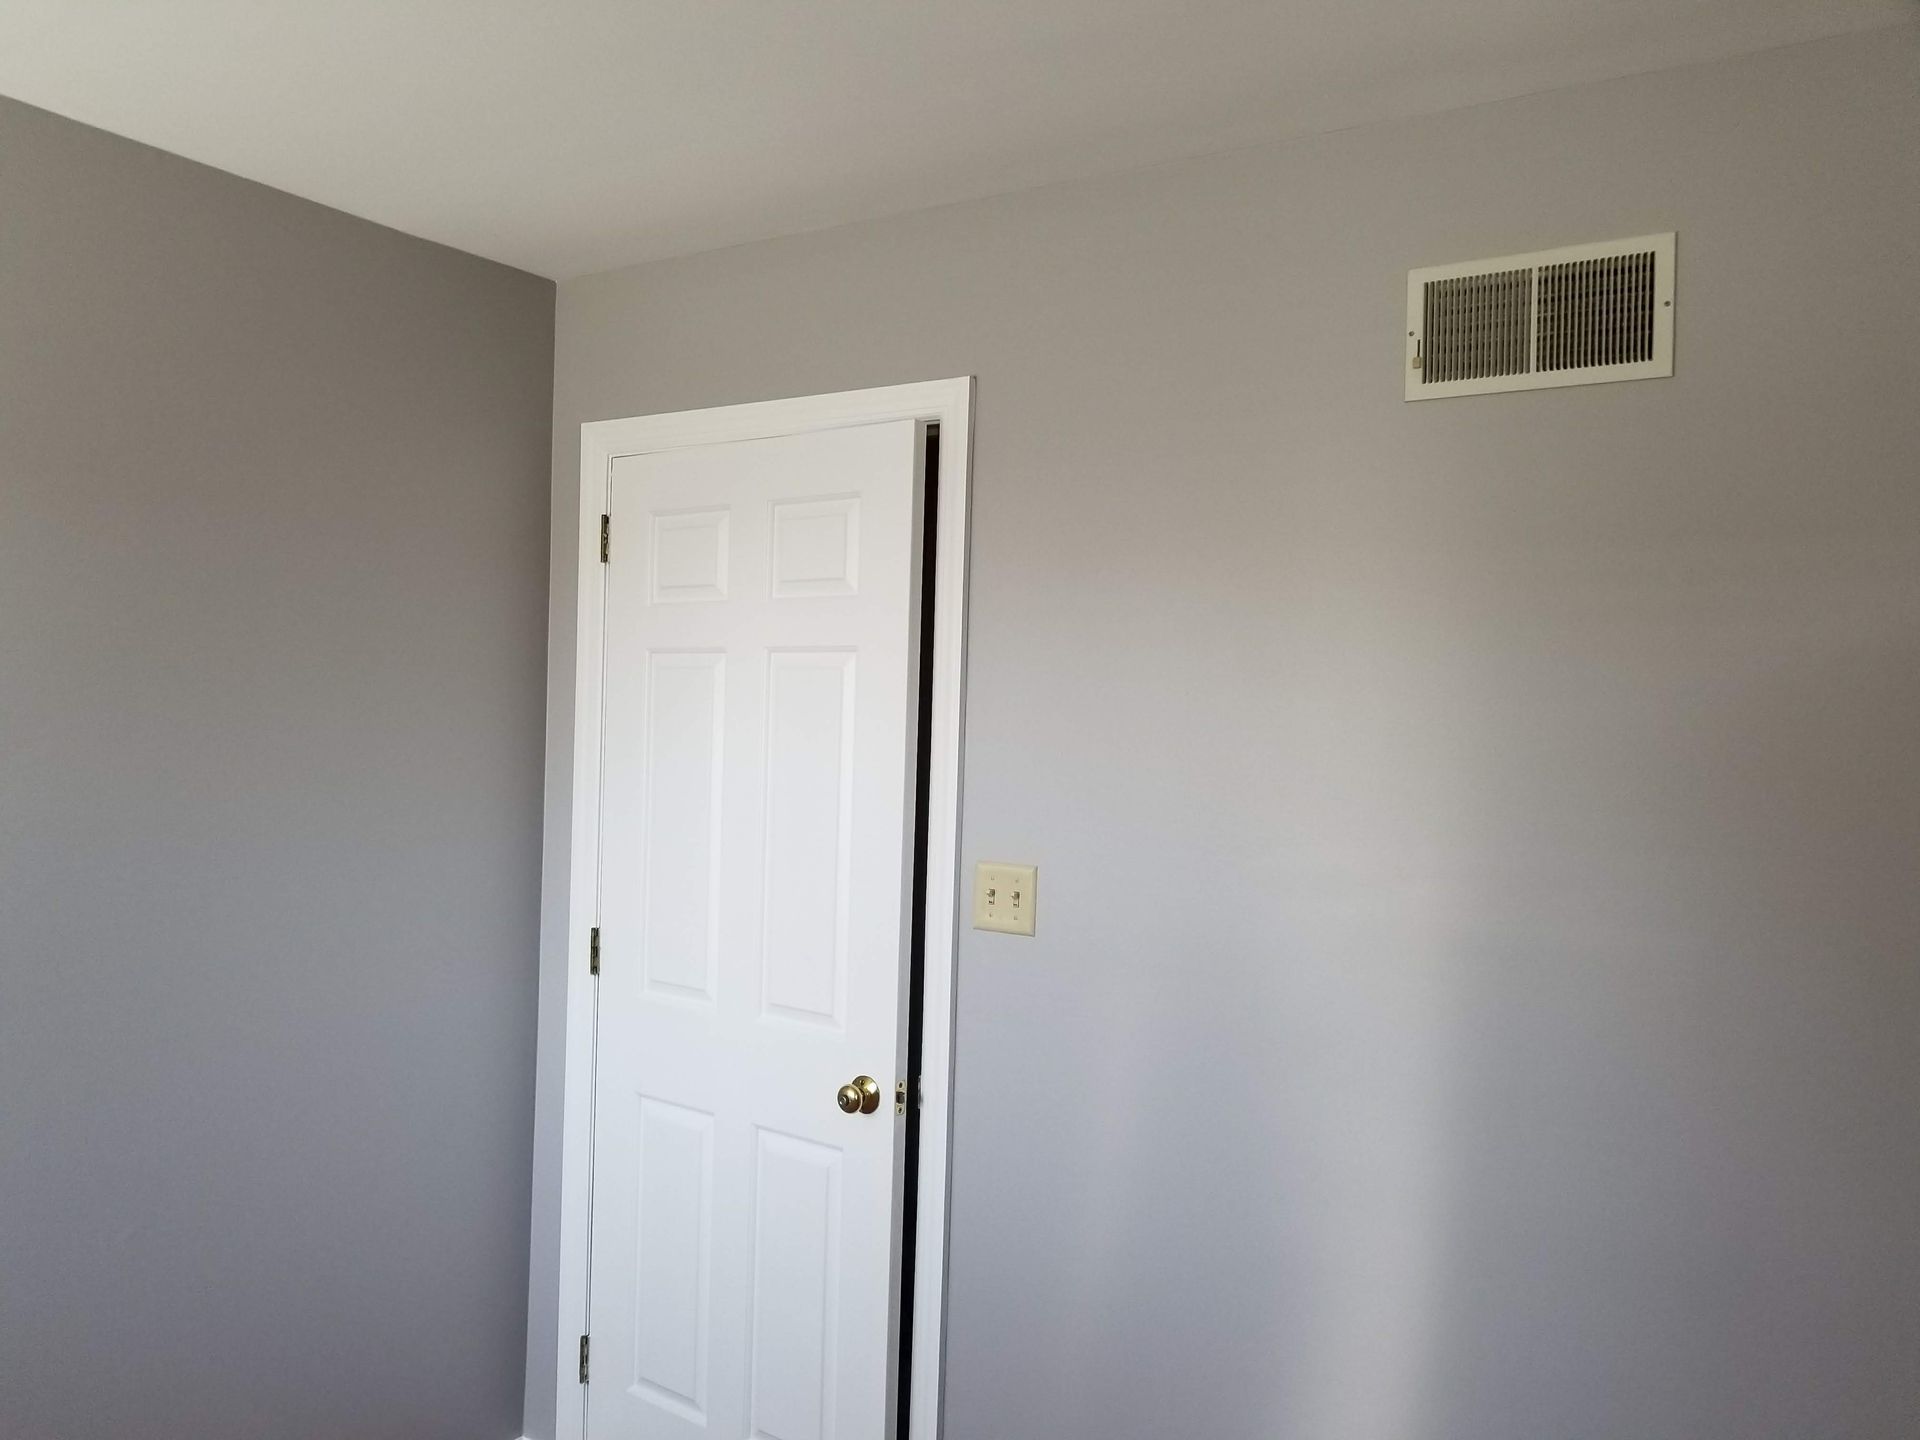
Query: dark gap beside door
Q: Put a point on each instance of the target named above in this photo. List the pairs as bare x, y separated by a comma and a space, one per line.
916, 963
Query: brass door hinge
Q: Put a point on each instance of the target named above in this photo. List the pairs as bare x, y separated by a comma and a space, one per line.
593, 951
583, 1359
606, 537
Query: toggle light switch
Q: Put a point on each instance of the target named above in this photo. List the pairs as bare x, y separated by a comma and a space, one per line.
1003, 897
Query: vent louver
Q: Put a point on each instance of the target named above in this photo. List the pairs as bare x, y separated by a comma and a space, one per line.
1578, 316
1477, 326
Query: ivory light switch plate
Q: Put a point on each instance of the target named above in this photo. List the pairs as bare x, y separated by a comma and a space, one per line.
1003, 897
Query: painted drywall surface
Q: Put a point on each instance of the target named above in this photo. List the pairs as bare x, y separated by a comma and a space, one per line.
1478, 977
273, 530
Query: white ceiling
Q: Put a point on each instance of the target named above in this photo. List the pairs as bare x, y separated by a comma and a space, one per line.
568, 136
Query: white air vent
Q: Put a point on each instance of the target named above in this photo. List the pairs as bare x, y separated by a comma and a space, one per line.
1579, 316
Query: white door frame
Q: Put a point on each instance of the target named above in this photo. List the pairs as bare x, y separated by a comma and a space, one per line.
950, 403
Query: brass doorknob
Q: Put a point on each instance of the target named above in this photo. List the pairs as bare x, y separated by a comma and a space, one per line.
862, 1097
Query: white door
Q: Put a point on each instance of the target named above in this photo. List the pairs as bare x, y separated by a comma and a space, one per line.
755, 870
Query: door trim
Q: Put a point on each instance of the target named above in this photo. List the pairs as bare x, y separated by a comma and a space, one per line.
950, 403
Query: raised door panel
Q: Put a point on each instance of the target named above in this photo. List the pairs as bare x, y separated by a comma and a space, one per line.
689, 554
809, 833
673, 1225
685, 758
796, 1290
816, 547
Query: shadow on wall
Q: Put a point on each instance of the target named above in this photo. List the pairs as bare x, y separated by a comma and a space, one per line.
1558, 1066
1699, 947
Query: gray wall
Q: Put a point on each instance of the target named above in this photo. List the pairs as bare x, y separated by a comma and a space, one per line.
1477, 994
273, 535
